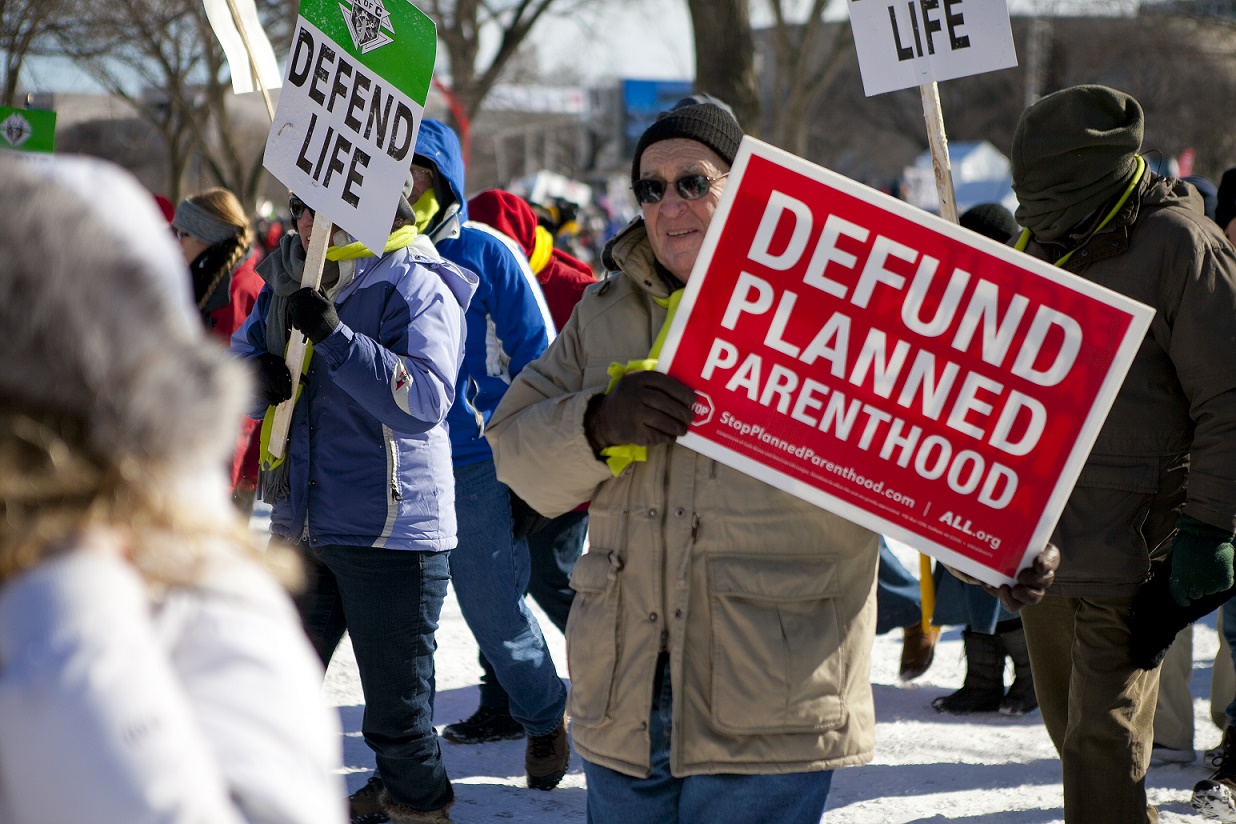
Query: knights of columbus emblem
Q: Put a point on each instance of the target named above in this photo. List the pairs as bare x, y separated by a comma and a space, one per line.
366, 19
16, 129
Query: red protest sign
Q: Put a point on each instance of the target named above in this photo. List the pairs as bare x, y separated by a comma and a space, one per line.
892, 367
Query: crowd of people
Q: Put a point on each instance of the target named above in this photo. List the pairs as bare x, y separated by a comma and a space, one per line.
476, 408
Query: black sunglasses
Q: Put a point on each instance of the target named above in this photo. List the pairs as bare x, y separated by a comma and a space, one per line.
689, 187
297, 207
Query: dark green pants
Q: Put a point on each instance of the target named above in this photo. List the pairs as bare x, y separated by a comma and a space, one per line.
1098, 708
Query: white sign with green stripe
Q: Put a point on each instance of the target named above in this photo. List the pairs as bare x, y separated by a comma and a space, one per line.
352, 100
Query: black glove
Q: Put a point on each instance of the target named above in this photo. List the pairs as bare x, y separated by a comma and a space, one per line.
274, 381
1032, 582
1155, 618
1201, 560
645, 409
312, 314
525, 520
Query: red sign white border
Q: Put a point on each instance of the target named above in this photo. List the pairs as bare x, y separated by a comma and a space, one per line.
1141, 316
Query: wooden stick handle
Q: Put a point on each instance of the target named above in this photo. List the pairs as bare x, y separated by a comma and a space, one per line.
314, 261
253, 69
938, 141
926, 589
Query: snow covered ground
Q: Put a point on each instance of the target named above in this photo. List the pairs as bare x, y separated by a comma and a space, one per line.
928, 767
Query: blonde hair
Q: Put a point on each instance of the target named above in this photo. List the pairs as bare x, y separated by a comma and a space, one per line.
224, 206
52, 489
111, 398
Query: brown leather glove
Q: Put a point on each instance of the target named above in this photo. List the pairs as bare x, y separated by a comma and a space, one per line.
645, 409
1032, 582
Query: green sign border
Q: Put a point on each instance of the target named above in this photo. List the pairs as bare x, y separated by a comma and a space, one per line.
407, 63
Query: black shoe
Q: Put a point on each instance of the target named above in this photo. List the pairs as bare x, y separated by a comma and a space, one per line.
547, 758
1215, 798
365, 804
486, 724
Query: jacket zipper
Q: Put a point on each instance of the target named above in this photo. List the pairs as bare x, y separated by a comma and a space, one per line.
392, 459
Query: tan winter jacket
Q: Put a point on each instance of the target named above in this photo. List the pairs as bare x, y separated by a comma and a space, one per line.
1170, 438
763, 602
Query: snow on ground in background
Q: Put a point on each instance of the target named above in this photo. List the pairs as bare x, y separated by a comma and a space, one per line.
928, 767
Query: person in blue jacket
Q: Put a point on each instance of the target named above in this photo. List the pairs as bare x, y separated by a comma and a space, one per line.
365, 491
509, 326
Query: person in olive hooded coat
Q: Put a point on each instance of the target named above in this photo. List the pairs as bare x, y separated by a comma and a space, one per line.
1160, 483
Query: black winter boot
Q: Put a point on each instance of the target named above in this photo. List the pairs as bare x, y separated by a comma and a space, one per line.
486, 724
984, 685
365, 804
1021, 698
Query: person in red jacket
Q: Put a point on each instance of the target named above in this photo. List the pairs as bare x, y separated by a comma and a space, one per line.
217, 244
553, 545
563, 278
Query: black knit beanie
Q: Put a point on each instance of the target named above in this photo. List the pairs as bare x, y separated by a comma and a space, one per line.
1225, 207
990, 220
703, 122
1072, 151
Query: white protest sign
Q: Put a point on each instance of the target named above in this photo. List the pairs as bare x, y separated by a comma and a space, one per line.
907, 43
233, 43
343, 138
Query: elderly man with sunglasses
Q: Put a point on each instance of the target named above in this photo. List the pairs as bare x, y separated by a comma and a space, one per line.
720, 636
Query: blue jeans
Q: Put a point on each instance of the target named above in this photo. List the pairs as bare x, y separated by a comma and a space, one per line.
899, 601
960, 603
553, 552
490, 570
1228, 628
791, 798
389, 600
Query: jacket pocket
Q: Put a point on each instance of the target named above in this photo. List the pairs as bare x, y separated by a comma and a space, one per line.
1120, 514
777, 661
1122, 474
592, 635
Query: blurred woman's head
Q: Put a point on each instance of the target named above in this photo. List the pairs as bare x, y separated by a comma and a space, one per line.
115, 410
210, 218
215, 238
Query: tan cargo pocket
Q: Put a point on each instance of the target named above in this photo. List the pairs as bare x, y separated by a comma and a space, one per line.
776, 645
592, 635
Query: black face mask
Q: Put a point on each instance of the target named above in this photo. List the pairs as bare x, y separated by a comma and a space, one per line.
1056, 214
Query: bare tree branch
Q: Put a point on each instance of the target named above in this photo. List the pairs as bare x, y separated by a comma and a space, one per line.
26, 26
460, 23
163, 58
